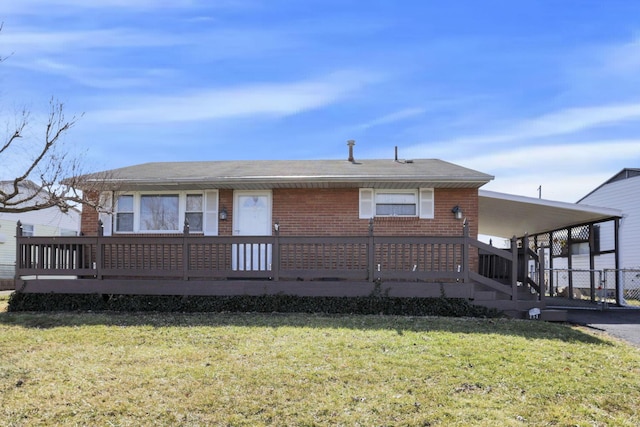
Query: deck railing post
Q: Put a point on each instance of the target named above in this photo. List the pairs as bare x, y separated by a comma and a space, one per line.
371, 253
275, 253
99, 250
465, 253
19, 251
185, 250
514, 268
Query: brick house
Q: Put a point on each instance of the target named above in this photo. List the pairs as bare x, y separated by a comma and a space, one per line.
312, 198
303, 227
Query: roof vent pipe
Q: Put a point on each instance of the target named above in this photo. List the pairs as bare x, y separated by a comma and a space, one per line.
351, 143
396, 153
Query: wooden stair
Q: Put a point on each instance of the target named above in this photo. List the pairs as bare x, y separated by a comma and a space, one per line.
519, 308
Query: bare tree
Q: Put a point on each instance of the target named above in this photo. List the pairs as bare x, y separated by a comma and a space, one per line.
48, 176
43, 173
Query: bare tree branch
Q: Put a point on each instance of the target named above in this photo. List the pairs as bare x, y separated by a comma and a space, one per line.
44, 173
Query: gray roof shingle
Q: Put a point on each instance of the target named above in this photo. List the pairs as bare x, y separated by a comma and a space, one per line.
255, 174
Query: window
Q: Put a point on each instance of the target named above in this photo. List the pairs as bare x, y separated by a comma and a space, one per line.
193, 213
124, 214
159, 212
396, 204
408, 203
581, 248
162, 212
28, 230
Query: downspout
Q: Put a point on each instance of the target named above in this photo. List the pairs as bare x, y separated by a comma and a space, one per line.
592, 264
616, 238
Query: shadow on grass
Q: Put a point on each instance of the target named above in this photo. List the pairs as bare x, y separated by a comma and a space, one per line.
528, 329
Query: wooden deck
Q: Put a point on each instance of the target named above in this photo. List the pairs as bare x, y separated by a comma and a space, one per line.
187, 264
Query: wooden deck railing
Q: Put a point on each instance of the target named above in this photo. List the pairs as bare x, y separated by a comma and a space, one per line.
188, 257
278, 258
517, 266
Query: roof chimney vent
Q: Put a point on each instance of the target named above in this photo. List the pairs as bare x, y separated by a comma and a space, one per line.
351, 143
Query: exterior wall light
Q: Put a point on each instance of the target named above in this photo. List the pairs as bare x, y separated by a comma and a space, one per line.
223, 214
457, 212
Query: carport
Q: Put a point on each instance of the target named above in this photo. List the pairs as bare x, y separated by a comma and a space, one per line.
573, 237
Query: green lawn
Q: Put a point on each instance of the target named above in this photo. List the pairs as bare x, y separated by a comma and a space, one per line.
100, 369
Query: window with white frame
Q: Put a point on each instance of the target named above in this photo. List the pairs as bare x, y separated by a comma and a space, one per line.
159, 212
406, 203
124, 213
165, 212
193, 212
27, 230
396, 203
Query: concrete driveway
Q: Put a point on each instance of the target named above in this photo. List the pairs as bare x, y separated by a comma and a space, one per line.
623, 323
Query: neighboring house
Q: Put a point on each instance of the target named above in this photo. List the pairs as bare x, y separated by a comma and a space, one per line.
46, 222
622, 192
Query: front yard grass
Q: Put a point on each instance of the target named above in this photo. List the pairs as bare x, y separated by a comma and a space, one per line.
271, 369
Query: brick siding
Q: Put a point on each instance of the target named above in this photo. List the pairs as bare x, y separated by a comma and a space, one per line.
334, 212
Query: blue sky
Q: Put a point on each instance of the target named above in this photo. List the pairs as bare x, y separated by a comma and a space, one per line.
537, 93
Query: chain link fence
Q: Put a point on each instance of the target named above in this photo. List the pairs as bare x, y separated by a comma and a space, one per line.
578, 288
583, 288
629, 280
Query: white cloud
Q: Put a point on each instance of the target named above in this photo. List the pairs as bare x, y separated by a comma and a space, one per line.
273, 99
87, 57
563, 122
567, 185
559, 123
623, 58
566, 172
555, 156
37, 42
393, 117
63, 6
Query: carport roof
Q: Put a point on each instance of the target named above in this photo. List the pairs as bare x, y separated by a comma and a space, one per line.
507, 215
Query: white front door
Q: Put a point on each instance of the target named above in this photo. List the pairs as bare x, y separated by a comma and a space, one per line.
251, 217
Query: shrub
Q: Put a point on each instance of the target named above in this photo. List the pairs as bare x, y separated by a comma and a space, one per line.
450, 307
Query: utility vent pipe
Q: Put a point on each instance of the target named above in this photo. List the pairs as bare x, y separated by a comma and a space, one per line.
351, 143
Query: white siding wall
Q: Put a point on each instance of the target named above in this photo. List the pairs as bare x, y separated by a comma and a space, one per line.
47, 222
607, 236
623, 195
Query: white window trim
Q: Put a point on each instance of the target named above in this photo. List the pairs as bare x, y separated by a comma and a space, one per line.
425, 203
31, 232
208, 229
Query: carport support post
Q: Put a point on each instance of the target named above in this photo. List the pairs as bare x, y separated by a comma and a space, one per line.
616, 237
541, 274
514, 268
592, 264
